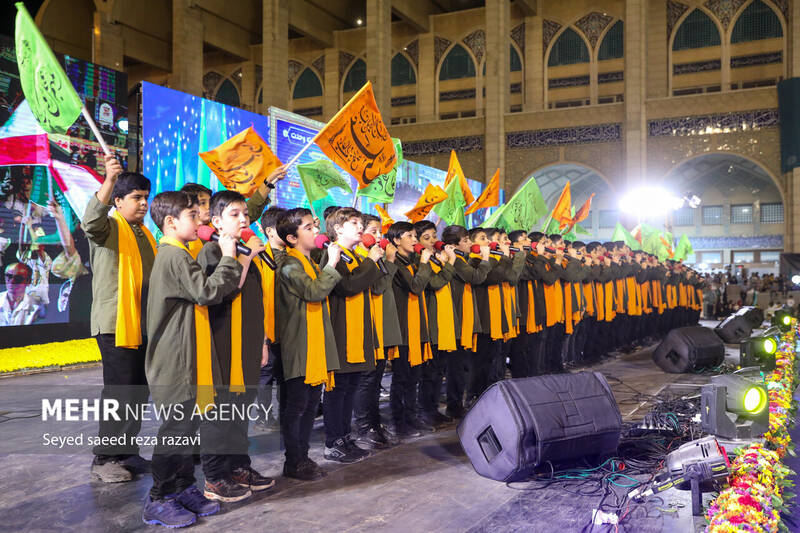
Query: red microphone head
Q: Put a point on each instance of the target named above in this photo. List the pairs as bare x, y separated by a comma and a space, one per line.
321, 240
384, 243
204, 233
248, 234
493, 246
475, 249
418, 248
368, 240
439, 246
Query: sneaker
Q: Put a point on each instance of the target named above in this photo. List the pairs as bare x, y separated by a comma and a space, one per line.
136, 464
167, 512
306, 470
266, 425
404, 431
421, 424
442, 419
353, 447
374, 438
340, 453
225, 490
250, 478
193, 500
455, 413
110, 471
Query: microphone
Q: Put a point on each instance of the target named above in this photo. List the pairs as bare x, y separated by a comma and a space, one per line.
549, 250
384, 243
207, 233
475, 249
493, 249
439, 245
248, 234
322, 241
516, 249
369, 241
418, 249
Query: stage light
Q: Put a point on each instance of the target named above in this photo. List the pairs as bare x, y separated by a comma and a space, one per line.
122, 124
649, 202
783, 318
796, 279
734, 407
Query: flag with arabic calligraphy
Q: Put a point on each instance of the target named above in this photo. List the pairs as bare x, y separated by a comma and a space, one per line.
357, 140
319, 176
382, 188
490, 197
243, 162
432, 195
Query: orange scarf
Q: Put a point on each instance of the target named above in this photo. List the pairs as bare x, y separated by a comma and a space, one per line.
469, 339
530, 323
509, 307
588, 295
376, 306
601, 302
316, 361
445, 319
417, 352
354, 312
610, 311
268, 289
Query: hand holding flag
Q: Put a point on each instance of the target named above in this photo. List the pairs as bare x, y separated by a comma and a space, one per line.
432, 195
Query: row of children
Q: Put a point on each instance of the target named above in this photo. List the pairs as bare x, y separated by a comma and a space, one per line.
197, 322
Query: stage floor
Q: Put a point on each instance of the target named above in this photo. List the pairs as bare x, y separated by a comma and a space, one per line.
424, 485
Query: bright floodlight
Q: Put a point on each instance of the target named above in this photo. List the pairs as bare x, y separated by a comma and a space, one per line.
770, 346
754, 400
649, 201
796, 279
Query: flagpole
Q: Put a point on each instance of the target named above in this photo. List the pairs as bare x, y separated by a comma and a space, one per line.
96, 131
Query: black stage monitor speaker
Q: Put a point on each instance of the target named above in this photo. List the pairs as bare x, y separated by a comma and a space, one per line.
686, 349
753, 315
734, 329
518, 424
789, 113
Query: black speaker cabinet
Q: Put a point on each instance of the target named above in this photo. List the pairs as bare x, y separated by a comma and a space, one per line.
734, 329
687, 349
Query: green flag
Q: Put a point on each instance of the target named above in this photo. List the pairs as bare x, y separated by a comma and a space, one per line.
522, 211
50, 94
381, 189
319, 176
451, 210
621, 234
683, 249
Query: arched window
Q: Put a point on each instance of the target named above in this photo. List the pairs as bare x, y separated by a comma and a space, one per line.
756, 22
356, 77
568, 50
227, 93
307, 85
515, 63
697, 31
612, 46
402, 71
457, 64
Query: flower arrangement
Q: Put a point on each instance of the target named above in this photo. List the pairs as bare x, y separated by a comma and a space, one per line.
53, 354
758, 479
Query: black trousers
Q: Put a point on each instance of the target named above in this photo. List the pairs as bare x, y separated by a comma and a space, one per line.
366, 407
224, 447
298, 402
124, 380
519, 356
457, 368
553, 345
403, 393
431, 380
482, 365
271, 373
172, 466
337, 406
536, 352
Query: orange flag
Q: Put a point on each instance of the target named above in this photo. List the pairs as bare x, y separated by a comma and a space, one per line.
386, 220
562, 211
242, 163
582, 213
454, 170
490, 196
357, 140
433, 195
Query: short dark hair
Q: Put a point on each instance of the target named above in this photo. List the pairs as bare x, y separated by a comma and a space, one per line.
397, 229
608, 245
555, 237
492, 232
516, 234
535, 236
170, 204
289, 223
474, 232
592, 246
127, 182
366, 218
271, 217
223, 199
196, 189
578, 244
340, 216
328, 210
454, 234
619, 245
422, 226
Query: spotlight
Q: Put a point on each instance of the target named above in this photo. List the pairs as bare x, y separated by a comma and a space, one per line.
359, 22
759, 351
783, 318
796, 279
734, 407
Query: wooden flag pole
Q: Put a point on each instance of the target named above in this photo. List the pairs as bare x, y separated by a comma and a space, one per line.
96, 131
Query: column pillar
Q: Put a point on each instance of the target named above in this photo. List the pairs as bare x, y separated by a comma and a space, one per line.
187, 48
330, 93
107, 45
275, 53
635, 130
657, 60
534, 67
791, 232
249, 88
379, 54
496, 103
426, 80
